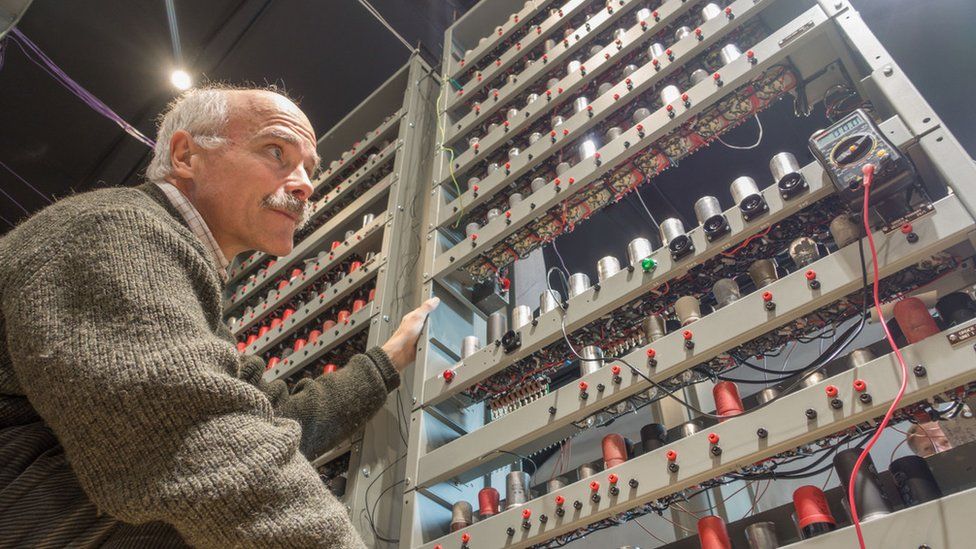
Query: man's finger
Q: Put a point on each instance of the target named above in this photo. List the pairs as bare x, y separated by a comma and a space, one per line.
431, 304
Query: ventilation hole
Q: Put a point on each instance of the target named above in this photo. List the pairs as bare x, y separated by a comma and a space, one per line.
926, 120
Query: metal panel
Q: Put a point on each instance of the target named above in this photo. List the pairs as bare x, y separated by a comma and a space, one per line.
784, 423
747, 318
626, 286
799, 33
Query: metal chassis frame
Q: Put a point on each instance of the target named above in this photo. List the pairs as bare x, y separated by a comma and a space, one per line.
884, 83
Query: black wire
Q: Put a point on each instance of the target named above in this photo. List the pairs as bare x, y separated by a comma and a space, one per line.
520, 456
369, 517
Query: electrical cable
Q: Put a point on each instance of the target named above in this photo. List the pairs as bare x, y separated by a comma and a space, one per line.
868, 172
746, 147
25, 182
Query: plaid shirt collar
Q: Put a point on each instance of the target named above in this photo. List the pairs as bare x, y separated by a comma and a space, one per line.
197, 225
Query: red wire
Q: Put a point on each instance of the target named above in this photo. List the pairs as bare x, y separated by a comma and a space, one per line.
868, 176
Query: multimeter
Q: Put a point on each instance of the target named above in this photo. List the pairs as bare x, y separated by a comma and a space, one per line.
844, 148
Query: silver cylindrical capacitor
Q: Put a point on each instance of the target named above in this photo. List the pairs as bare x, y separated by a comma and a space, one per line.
803, 251
493, 213
628, 70
588, 147
762, 535
688, 309
492, 127
587, 470
618, 34
497, 325
729, 53
513, 153
767, 394
537, 183
860, 357
656, 49
492, 168
606, 267
562, 168
642, 14
698, 75
548, 301
513, 78
670, 94
521, 316
555, 484
745, 193
573, 67
812, 379
595, 49
688, 429
782, 165
530, 98
516, 489
612, 134
640, 114
469, 346
708, 212
349, 234
655, 327
552, 84
580, 103
604, 88
548, 44
638, 249
473, 141
534, 136
514, 199
671, 228
844, 230
578, 283
471, 228
557, 121
367, 219
725, 290
762, 272
512, 113
681, 32
472, 181
592, 359
711, 11
460, 516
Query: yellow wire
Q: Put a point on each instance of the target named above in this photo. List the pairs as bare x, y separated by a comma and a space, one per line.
440, 127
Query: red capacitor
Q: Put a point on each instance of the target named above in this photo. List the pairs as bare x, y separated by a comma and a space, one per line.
914, 319
614, 450
275, 322
295, 273
251, 339
282, 284
727, 400
328, 325
335, 244
313, 336
343, 316
272, 362
329, 368
241, 346
811, 506
354, 266
262, 331
487, 502
287, 313
372, 294
712, 533
357, 305
299, 343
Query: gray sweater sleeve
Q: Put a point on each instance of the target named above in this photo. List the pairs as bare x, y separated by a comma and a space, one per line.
113, 345
331, 407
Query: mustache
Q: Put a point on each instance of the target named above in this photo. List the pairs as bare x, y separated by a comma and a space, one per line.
288, 203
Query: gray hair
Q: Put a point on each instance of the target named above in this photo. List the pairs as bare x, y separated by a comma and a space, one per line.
202, 112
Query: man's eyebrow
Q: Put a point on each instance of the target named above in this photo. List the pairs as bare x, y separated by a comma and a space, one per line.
288, 137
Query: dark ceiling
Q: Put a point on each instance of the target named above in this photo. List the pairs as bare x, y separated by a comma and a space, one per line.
332, 55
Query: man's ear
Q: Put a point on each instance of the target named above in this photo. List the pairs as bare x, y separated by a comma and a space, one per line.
181, 149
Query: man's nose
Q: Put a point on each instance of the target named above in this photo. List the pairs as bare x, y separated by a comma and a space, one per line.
299, 185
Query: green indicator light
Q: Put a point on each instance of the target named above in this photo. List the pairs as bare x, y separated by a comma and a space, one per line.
648, 264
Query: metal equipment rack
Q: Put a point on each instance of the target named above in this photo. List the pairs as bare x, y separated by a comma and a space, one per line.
514, 72
353, 269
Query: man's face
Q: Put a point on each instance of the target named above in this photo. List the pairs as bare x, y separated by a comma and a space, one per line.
252, 192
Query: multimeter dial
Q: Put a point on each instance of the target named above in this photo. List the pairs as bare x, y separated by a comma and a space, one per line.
851, 149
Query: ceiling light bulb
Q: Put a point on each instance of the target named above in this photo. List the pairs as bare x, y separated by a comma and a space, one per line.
180, 79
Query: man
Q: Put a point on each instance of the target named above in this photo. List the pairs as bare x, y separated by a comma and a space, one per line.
127, 417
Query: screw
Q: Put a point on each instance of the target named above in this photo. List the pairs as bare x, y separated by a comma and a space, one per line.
912, 238
811, 413
595, 498
762, 433
716, 451
543, 519
673, 467
365, 472
836, 403
510, 531
614, 490
552, 410
865, 398
919, 371
633, 483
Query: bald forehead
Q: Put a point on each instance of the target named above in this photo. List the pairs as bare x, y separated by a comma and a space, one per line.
256, 111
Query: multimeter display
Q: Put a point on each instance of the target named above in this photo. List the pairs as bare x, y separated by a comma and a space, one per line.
846, 126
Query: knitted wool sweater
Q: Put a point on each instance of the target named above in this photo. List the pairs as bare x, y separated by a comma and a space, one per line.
127, 416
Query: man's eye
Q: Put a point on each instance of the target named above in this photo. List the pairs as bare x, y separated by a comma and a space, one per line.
277, 152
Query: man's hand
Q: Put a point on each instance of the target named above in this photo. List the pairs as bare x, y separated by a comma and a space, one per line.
402, 345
